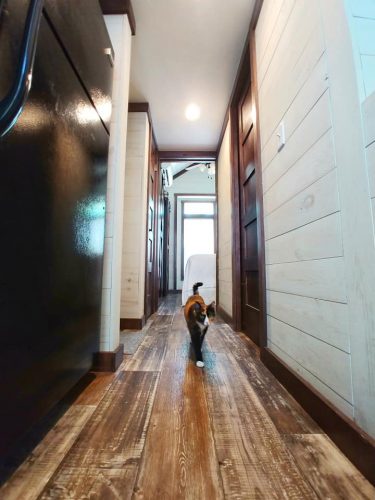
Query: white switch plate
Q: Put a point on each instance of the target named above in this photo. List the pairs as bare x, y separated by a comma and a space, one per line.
281, 135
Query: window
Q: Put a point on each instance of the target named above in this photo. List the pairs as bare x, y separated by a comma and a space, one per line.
198, 230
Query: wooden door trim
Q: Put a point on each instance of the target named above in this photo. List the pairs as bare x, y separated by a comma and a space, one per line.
176, 195
119, 7
242, 77
248, 69
187, 155
259, 182
183, 217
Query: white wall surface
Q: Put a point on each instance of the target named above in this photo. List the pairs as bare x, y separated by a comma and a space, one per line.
225, 224
120, 35
362, 24
320, 254
135, 215
192, 182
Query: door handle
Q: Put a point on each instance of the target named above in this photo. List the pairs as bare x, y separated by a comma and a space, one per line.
12, 104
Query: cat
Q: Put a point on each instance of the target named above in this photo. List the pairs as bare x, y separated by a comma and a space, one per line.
198, 316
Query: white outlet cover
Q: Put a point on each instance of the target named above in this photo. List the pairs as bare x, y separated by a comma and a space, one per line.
281, 135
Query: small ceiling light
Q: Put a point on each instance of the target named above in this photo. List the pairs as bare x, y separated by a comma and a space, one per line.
192, 112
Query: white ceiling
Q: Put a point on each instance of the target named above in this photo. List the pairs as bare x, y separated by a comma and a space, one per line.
187, 51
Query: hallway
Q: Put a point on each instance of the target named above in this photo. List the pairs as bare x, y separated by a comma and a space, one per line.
162, 428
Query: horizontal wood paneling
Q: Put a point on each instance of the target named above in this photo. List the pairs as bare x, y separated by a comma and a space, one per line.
318, 221
304, 80
330, 365
312, 128
224, 223
270, 26
317, 201
320, 279
314, 164
362, 26
319, 240
368, 110
370, 157
327, 321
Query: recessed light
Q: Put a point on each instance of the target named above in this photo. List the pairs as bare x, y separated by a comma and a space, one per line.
192, 112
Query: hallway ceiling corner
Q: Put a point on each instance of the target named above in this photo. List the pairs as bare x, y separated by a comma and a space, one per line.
183, 52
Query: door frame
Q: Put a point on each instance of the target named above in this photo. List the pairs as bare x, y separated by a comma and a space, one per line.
247, 69
175, 232
183, 156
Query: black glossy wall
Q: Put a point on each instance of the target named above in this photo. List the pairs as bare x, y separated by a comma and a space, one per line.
53, 170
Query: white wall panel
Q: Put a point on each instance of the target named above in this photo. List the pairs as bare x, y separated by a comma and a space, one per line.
320, 254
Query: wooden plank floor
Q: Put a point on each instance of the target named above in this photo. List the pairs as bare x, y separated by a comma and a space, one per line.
161, 428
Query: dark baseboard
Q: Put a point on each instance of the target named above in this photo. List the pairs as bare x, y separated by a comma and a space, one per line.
223, 314
132, 323
352, 441
108, 361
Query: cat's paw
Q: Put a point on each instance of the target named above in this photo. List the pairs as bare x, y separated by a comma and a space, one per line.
200, 364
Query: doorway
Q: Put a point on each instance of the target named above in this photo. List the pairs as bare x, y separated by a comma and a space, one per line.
195, 231
191, 190
248, 261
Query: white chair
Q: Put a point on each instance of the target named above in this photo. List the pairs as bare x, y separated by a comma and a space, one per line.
200, 267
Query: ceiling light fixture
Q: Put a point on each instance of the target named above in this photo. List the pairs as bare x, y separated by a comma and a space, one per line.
192, 112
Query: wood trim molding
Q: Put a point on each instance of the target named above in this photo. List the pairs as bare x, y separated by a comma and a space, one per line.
352, 441
247, 65
176, 195
119, 7
139, 107
108, 361
225, 316
144, 107
187, 155
132, 323
259, 188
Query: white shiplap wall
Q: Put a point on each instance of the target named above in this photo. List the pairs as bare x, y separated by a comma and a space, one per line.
121, 37
320, 255
362, 23
135, 215
225, 225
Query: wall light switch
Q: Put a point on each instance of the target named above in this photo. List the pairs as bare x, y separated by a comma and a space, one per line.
281, 135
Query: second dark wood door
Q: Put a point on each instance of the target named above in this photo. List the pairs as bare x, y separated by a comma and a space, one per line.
250, 285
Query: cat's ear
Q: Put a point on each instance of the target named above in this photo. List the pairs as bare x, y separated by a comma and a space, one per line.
211, 310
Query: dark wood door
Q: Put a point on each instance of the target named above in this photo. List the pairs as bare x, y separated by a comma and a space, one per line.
149, 298
165, 277
160, 238
151, 289
250, 277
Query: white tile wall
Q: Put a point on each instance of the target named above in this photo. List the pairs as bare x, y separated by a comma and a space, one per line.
120, 34
225, 225
135, 214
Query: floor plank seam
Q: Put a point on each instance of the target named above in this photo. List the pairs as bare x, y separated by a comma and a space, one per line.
213, 436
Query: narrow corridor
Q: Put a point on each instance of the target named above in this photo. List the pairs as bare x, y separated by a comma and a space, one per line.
160, 428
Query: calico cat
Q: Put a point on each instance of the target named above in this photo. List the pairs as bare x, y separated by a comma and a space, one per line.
198, 316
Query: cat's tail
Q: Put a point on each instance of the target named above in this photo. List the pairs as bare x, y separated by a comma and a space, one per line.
196, 286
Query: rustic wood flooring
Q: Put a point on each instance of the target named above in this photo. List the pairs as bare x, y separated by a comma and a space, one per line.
161, 428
